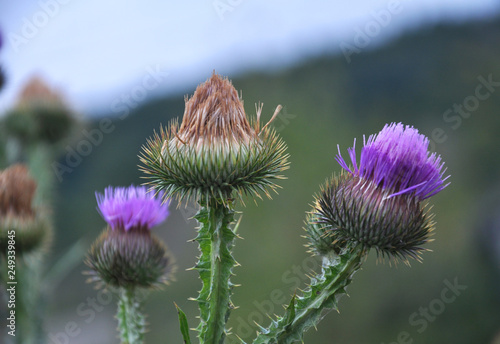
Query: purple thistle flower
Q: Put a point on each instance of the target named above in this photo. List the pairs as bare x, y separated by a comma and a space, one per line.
397, 159
131, 207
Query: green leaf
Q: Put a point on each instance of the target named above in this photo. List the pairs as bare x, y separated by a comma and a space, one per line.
183, 324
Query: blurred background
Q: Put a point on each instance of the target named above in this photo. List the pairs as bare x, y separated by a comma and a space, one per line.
341, 71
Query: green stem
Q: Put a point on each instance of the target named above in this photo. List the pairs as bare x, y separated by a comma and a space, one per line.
317, 300
131, 322
215, 265
29, 304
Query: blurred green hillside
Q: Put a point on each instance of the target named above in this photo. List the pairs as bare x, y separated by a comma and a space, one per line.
416, 80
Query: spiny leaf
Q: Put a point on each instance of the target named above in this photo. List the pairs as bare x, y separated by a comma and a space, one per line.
321, 296
184, 325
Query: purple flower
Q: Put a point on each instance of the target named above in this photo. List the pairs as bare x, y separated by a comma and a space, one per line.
131, 207
397, 159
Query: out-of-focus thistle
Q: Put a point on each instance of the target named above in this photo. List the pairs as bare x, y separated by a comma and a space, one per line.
25, 234
32, 229
40, 115
216, 156
216, 152
34, 132
126, 257
379, 204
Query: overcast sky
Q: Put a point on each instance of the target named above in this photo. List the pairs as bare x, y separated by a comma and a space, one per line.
95, 52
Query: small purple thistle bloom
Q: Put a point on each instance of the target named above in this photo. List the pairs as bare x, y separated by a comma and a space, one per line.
131, 207
397, 159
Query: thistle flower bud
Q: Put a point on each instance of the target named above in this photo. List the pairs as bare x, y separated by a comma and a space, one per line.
215, 152
126, 254
17, 215
379, 203
40, 114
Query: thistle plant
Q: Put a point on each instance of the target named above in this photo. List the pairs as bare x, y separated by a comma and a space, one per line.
25, 234
31, 137
126, 257
378, 204
35, 131
215, 157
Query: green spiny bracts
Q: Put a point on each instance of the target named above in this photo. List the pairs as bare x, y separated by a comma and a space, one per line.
352, 211
215, 265
30, 225
131, 321
320, 237
307, 310
128, 259
215, 152
31, 234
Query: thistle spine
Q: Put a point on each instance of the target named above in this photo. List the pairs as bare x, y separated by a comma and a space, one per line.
215, 265
318, 299
131, 321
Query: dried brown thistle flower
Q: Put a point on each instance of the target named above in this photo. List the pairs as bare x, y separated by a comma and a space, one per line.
17, 189
216, 152
17, 215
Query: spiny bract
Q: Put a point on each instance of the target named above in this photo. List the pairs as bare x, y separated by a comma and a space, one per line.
215, 152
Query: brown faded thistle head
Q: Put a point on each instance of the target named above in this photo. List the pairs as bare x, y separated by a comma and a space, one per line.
216, 152
215, 113
17, 189
17, 216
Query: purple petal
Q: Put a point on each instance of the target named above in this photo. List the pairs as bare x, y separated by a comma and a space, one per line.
131, 207
397, 158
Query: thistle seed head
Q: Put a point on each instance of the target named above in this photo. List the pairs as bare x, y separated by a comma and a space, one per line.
215, 153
